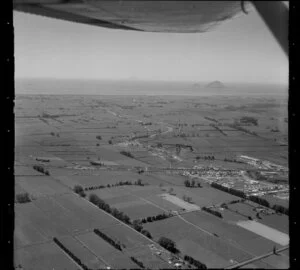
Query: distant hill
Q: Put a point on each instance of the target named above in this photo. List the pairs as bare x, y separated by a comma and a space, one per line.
215, 84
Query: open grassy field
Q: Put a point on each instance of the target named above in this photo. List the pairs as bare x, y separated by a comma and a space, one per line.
265, 231
43, 256
39, 186
105, 251
242, 238
81, 252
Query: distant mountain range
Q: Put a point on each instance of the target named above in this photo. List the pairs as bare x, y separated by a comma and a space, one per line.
215, 84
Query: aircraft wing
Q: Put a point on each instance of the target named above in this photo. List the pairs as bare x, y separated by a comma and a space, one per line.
160, 16
149, 16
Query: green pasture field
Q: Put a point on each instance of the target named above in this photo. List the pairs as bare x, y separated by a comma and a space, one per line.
86, 211
25, 171
81, 252
241, 238
205, 196
65, 218
243, 209
178, 230
130, 238
105, 251
277, 221
159, 201
44, 256
201, 254
149, 258
141, 210
26, 234
41, 185
273, 200
30, 214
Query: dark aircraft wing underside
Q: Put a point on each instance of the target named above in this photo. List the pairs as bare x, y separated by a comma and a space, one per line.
148, 16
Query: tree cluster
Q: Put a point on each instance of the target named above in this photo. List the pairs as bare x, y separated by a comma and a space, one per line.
211, 119
220, 130
127, 154
41, 169
206, 157
54, 134
194, 262
75, 258
121, 183
232, 160
281, 209
115, 244
257, 175
234, 201
137, 225
236, 126
106, 207
23, 198
191, 183
94, 187
136, 261
168, 244
118, 214
224, 205
156, 218
259, 200
187, 199
211, 211
249, 120
79, 190
232, 191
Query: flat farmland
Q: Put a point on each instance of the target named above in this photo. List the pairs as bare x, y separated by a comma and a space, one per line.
65, 218
232, 217
101, 177
149, 258
274, 200
25, 171
81, 252
162, 203
205, 196
276, 221
169, 179
180, 203
139, 191
41, 222
41, 185
265, 231
64, 129
130, 238
178, 230
18, 189
242, 208
212, 260
105, 251
86, 211
44, 256
243, 239
141, 209
26, 234
108, 193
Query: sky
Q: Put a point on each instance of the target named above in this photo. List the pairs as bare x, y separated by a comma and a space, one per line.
241, 50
